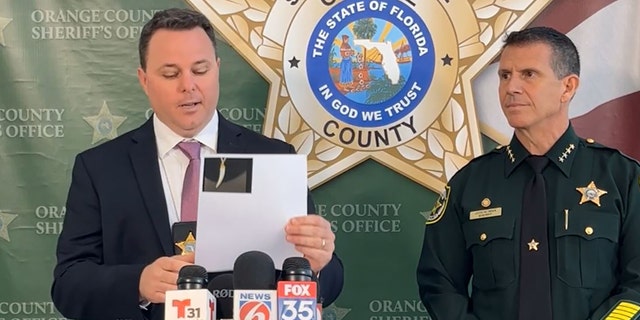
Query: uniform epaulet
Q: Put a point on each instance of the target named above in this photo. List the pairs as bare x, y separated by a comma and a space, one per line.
498, 149
591, 143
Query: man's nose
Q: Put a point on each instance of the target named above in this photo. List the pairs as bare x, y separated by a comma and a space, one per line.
187, 83
513, 85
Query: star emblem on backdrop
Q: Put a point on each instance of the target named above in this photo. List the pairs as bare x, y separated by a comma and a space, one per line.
5, 220
3, 24
333, 312
277, 39
104, 124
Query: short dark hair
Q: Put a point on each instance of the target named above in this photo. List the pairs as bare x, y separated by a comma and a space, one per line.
173, 19
565, 59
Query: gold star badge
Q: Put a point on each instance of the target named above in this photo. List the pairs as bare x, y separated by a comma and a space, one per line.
188, 245
533, 245
591, 193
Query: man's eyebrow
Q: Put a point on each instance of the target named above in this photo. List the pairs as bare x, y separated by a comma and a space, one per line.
173, 65
168, 65
529, 70
203, 61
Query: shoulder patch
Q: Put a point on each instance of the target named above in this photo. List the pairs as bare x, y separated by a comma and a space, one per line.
437, 212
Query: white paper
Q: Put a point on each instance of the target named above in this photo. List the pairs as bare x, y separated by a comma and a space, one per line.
233, 220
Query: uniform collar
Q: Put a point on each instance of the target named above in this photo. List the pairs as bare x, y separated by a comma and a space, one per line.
561, 153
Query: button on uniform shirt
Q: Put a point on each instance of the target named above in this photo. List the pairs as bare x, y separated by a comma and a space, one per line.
593, 207
173, 162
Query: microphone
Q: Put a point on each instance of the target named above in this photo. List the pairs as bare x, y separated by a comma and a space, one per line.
297, 291
192, 300
296, 269
254, 283
192, 277
222, 289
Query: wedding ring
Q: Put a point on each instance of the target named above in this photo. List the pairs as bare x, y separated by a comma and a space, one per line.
323, 243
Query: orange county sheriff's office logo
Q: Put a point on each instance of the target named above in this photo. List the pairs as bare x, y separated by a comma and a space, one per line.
384, 80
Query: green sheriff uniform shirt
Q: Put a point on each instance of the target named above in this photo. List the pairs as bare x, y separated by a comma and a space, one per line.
593, 195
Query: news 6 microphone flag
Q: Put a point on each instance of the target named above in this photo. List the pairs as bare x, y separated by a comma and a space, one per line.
69, 83
254, 294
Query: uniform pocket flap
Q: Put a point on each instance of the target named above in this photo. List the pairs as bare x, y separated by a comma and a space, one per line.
588, 224
480, 232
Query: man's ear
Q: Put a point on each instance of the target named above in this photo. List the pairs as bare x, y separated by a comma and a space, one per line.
570, 83
142, 78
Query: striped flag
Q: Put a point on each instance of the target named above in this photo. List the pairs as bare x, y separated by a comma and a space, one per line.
607, 104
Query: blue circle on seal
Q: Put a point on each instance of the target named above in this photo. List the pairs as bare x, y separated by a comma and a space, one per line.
370, 67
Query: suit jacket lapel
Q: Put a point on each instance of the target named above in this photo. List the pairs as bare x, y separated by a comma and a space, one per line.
229, 137
144, 157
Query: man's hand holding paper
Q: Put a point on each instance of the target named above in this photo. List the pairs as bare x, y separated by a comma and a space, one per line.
312, 236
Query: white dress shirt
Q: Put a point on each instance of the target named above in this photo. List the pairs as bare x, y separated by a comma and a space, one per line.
173, 162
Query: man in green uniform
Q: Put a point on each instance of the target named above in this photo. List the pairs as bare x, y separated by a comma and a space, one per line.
549, 225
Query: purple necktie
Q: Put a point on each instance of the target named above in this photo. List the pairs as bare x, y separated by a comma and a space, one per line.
189, 207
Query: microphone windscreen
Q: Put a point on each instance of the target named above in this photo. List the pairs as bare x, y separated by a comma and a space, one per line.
192, 277
193, 271
296, 269
296, 263
254, 270
222, 288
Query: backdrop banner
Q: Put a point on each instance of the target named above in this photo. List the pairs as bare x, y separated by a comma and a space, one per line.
387, 98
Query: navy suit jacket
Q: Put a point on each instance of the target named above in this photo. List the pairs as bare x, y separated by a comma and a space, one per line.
117, 222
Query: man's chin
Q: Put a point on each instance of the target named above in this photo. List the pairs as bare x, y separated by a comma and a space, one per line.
516, 123
189, 130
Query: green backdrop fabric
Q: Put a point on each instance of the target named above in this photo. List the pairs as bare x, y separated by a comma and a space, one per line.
68, 82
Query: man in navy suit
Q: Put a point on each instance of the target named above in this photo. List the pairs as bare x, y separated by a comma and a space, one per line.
115, 253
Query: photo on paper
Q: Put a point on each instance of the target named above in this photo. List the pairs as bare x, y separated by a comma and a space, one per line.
273, 183
228, 175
